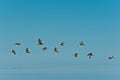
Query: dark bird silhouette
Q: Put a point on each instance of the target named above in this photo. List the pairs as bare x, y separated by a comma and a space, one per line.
75, 55
18, 44
110, 57
13, 51
62, 44
40, 42
44, 49
27, 51
90, 55
82, 43
56, 50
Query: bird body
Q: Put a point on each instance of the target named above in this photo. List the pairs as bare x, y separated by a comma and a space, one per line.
45, 48
75, 55
56, 50
110, 57
82, 43
27, 51
40, 42
13, 51
18, 44
62, 44
90, 55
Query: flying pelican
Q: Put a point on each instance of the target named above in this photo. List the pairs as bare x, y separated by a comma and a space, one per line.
18, 44
27, 51
62, 44
82, 43
40, 42
75, 55
13, 51
45, 48
110, 57
90, 55
56, 50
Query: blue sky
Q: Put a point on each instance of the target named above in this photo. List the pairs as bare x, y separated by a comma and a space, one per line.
72, 21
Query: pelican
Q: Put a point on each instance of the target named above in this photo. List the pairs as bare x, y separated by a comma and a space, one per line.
62, 44
56, 50
90, 55
40, 42
110, 57
75, 55
27, 51
13, 51
45, 48
18, 44
82, 43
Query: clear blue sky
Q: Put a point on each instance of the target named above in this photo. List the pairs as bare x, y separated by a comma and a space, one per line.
96, 22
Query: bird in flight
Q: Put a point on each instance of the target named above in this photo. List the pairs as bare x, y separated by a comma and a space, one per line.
82, 43
90, 55
75, 55
56, 50
110, 57
44, 49
18, 44
13, 51
27, 51
62, 44
40, 42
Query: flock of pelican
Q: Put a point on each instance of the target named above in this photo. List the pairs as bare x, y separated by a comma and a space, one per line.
40, 42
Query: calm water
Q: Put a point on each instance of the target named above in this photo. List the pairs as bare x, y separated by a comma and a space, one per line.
79, 72
57, 77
